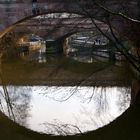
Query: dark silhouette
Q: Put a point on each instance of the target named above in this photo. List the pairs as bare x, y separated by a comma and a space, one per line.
35, 9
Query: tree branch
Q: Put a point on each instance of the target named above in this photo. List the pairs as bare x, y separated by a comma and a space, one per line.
117, 14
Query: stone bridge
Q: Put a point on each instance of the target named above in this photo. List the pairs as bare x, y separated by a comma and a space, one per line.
17, 11
14, 12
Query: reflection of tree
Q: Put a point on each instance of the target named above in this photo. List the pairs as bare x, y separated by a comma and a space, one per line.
5, 96
124, 98
101, 99
59, 128
62, 94
99, 114
58, 94
14, 101
19, 103
97, 105
84, 94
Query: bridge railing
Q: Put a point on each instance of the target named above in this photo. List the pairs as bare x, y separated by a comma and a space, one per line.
51, 8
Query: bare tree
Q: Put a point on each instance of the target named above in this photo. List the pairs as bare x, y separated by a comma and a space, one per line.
115, 39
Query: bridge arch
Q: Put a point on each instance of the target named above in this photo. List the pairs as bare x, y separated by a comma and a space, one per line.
13, 25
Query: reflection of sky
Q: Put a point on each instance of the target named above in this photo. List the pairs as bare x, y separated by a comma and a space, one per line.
88, 108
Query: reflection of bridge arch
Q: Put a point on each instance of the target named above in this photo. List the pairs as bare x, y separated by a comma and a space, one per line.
127, 122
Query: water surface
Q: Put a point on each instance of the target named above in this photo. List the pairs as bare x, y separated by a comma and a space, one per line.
65, 110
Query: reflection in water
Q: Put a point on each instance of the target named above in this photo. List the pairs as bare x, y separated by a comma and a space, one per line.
62, 109
66, 110
19, 99
34, 52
